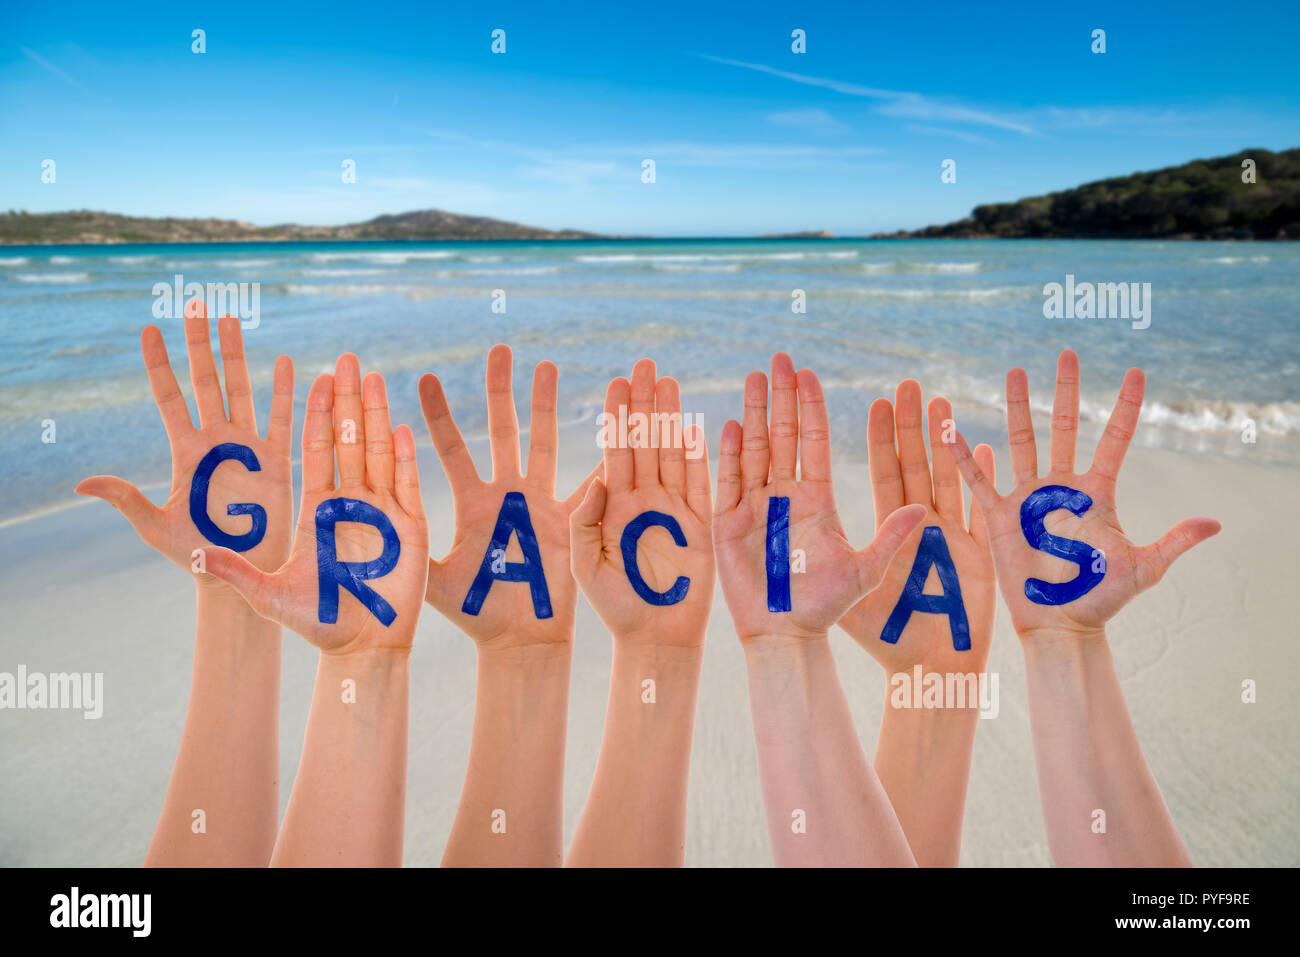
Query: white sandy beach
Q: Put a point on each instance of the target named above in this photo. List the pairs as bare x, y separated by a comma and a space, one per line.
78, 592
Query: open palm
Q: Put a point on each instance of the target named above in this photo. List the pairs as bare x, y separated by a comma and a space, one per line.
1116, 568
377, 482
902, 474
756, 469
265, 491
661, 480
508, 614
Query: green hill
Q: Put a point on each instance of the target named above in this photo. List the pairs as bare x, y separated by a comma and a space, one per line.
1203, 199
84, 226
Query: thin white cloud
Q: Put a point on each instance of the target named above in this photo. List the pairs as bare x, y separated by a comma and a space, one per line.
948, 133
813, 119
51, 68
607, 164
898, 103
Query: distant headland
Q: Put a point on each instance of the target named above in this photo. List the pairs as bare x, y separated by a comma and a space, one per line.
1254, 194
85, 226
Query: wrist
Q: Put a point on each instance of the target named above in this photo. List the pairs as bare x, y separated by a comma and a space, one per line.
369, 665
223, 612
669, 660
777, 648
1062, 643
538, 659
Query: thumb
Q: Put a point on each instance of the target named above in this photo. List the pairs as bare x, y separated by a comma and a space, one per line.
260, 589
585, 533
127, 499
1154, 560
874, 560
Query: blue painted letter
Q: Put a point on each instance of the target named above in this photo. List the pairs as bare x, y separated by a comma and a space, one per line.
778, 553
933, 551
513, 517
631, 535
1035, 508
199, 499
352, 575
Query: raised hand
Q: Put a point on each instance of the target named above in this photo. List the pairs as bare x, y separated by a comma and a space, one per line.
655, 506
228, 486
788, 573
354, 580
923, 755
761, 494
643, 555
495, 595
1063, 561
507, 584
885, 622
244, 493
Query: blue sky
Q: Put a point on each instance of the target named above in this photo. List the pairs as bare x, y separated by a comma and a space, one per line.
748, 137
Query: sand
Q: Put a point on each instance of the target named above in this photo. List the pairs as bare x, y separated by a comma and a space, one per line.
78, 592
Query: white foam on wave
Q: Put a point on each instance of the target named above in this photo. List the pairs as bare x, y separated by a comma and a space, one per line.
653, 258
13, 260
345, 289
1234, 260
520, 271
345, 272
62, 277
940, 268
992, 292
1196, 415
701, 267
386, 258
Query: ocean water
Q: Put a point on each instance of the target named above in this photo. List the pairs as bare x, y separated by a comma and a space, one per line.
1222, 348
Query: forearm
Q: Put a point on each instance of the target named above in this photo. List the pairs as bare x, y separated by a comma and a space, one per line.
1089, 761
825, 805
923, 758
512, 805
348, 803
636, 812
223, 800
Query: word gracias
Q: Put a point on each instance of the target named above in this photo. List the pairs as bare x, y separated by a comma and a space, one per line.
513, 520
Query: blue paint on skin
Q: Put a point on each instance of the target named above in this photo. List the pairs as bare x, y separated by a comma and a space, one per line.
352, 575
199, 499
778, 553
932, 552
513, 518
631, 535
1033, 510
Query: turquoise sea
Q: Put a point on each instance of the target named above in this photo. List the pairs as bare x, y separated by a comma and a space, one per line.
1223, 346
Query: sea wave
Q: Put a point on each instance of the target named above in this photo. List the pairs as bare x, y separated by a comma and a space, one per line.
1234, 260
903, 267
652, 258
13, 260
1194, 415
386, 258
60, 277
